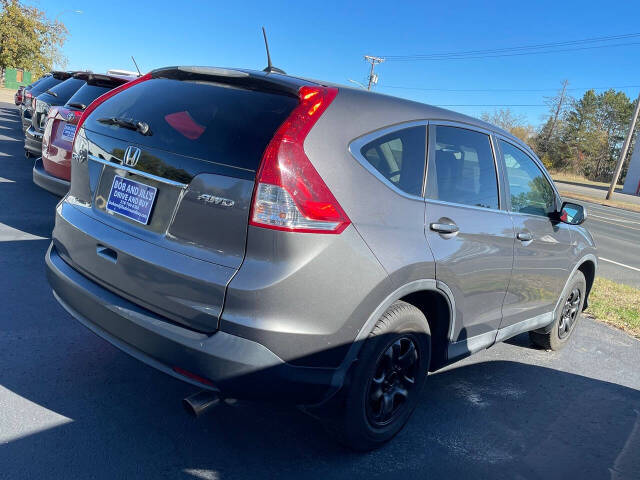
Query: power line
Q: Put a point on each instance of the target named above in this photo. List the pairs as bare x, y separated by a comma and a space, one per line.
515, 54
542, 48
490, 105
498, 90
523, 47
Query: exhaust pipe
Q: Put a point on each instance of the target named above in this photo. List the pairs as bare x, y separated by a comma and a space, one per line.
200, 402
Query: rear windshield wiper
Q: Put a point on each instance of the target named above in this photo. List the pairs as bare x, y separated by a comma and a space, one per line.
141, 127
79, 106
51, 93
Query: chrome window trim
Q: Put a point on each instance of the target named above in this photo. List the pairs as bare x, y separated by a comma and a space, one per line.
355, 147
494, 152
464, 205
138, 172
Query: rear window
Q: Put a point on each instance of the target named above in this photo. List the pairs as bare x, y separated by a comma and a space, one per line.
219, 123
44, 85
66, 89
34, 84
87, 94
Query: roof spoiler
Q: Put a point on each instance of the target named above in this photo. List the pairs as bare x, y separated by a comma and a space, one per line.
250, 80
58, 75
101, 79
61, 75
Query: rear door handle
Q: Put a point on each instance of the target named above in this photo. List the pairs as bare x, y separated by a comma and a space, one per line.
524, 236
444, 227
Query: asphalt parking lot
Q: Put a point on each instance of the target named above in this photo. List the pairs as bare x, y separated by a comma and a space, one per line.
72, 406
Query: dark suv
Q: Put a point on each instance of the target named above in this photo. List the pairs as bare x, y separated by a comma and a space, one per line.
53, 170
42, 85
267, 237
52, 97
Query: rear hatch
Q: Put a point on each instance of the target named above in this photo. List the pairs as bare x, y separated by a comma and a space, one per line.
42, 86
61, 123
54, 96
170, 162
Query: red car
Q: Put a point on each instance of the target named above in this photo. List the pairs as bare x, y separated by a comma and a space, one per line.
53, 170
17, 98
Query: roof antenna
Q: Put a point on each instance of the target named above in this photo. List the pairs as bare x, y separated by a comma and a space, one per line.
270, 68
134, 62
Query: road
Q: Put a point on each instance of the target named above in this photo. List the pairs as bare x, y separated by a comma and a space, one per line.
74, 407
598, 191
617, 235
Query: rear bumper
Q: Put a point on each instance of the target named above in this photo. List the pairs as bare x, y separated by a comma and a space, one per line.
44, 179
33, 141
26, 119
236, 366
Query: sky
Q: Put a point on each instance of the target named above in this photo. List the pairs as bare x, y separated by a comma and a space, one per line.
327, 40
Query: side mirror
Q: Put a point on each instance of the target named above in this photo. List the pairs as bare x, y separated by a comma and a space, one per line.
572, 213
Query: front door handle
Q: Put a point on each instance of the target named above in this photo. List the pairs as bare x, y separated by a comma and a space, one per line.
444, 227
524, 236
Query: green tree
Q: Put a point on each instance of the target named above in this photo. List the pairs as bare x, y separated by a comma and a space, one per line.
28, 39
593, 134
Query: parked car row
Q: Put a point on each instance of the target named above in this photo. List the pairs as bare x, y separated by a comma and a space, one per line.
263, 236
50, 110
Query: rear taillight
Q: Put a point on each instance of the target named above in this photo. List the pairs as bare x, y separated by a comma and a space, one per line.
106, 96
290, 194
66, 114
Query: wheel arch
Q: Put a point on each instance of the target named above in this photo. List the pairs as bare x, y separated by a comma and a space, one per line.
433, 298
587, 263
588, 269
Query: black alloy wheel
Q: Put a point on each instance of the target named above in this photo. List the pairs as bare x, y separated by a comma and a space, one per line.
569, 313
393, 381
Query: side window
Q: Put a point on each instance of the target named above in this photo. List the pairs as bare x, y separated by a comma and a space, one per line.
462, 169
530, 190
400, 157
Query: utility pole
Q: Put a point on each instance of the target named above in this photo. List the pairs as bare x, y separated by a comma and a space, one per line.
557, 113
373, 78
625, 149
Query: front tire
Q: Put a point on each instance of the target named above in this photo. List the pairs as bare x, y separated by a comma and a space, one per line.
566, 316
385, 386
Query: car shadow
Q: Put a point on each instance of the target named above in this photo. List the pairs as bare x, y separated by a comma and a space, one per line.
493, 419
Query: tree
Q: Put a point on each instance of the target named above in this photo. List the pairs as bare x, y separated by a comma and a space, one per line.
512, 123
503, 118
593, 133
548, 143
28, 39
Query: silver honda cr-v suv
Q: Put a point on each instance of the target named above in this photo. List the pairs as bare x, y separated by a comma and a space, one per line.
267, 237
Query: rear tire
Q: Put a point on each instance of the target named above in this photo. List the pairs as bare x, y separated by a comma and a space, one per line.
566, 316
385, 384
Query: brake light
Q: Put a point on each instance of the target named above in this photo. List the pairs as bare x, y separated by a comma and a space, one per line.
106, 96
290, 194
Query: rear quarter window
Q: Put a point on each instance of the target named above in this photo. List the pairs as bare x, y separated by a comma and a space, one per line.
399, 157
219, 123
